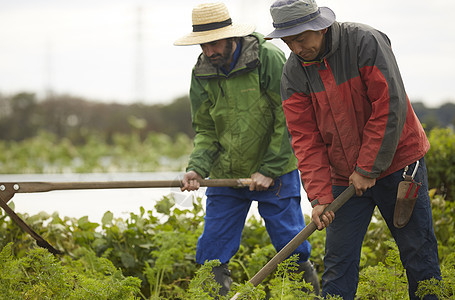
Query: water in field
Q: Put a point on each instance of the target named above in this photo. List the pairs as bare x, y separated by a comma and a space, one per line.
94, 203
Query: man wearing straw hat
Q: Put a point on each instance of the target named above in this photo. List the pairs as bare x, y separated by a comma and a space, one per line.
241, 132
352, 123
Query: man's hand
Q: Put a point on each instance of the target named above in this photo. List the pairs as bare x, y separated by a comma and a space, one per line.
190, 181
361, 183
260, 182
327, 218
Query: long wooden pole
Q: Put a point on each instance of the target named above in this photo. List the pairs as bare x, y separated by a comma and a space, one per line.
287, 250
9, 189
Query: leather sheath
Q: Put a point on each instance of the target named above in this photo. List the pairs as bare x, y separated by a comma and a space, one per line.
406, 199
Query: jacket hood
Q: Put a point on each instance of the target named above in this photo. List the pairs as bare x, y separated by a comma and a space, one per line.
248, 60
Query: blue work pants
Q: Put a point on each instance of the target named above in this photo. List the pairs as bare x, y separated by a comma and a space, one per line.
227, 209
416, 241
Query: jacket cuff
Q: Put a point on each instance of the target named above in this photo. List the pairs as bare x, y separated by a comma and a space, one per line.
365, 173
197, 170
322, 200
266, 173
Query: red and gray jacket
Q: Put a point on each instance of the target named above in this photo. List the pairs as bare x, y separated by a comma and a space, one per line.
349, 111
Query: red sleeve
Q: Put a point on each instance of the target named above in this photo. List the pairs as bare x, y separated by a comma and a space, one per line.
311, 152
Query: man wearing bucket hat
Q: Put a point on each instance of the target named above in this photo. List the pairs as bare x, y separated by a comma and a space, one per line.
241, 132
352, 123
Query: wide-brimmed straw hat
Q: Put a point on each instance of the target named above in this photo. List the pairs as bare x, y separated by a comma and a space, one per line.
211, 22
291, 17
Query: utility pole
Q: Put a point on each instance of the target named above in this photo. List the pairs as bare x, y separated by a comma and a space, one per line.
139, 80
48, 92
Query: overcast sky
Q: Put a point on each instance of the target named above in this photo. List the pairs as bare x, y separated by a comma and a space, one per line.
91, 48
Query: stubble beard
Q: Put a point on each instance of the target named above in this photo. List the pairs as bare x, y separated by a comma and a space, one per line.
219, 60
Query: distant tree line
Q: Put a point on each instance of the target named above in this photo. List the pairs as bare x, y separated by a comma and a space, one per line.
442, 116
23, 116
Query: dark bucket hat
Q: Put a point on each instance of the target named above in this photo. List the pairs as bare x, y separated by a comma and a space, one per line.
291, 17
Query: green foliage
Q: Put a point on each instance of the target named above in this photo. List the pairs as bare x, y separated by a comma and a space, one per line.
443, 223
151, 255
127, 153
287, 284
248, 291
156, 152
39, 275
444, 289
384, 281
157, 248
23, 115
162, 243
203, 285
440, 161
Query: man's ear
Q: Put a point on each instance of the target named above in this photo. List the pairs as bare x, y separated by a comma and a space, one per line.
324, 31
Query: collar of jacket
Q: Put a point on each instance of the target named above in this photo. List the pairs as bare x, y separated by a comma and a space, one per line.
248, 60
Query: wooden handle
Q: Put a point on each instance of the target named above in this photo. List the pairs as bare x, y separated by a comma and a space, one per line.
36, 187
287, 250
8, 189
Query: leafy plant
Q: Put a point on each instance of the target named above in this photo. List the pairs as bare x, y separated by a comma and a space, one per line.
157, 248
442, 289
126, 153
443, 223
203, 285
440, 161
39, 275
287, 284
384, 281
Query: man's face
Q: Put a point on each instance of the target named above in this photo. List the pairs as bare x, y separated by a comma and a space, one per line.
307, 44
219, 52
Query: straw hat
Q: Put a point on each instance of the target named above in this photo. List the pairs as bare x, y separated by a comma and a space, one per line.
211, 22
291, 17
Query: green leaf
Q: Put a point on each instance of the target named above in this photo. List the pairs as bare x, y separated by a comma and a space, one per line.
164, 205
128, 260
107, 218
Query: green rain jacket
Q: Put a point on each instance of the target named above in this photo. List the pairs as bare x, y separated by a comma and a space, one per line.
238, 118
